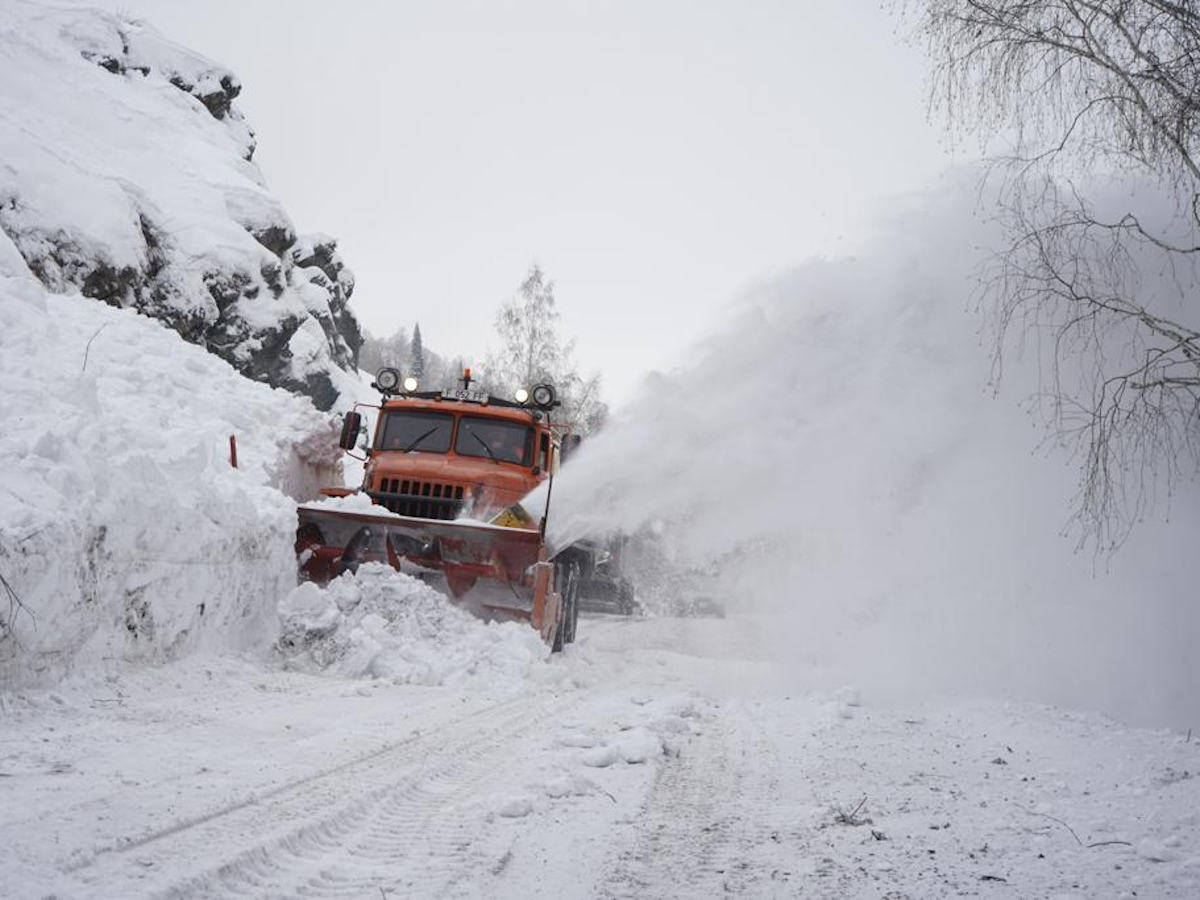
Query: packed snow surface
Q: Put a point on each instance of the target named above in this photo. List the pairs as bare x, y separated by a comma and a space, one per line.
687, 765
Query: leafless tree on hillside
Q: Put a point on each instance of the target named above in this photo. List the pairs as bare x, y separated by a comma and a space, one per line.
1083, 93
531, 350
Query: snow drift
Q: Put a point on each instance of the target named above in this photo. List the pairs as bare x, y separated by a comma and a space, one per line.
379, 623
836, 458
125, 534
126, 174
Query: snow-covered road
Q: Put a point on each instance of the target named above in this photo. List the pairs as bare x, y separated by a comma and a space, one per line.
660, 758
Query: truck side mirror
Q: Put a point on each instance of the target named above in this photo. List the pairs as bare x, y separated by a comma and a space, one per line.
351, 423
570, 445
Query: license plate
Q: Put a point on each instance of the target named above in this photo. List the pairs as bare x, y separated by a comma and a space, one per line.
465, 394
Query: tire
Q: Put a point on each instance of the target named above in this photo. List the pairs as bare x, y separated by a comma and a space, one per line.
568, 571
626, 603
557, 644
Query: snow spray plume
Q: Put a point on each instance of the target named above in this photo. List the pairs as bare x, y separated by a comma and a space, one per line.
835, 459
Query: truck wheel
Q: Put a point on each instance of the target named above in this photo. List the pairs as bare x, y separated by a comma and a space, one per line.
625, 598
568, 571
557, 644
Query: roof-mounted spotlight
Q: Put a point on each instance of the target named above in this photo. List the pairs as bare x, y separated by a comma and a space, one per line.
521, 395
544, 396
387, 380
410, 384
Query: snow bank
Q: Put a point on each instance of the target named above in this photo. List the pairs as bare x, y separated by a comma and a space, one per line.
125, 535
379, 623
126, 174
835, 456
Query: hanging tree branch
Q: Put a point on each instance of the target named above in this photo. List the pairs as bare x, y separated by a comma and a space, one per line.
1079, 87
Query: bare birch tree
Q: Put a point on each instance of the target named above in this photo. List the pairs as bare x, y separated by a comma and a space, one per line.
532, 351
1079, 93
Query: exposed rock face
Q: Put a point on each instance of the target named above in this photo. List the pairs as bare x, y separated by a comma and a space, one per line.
126, 174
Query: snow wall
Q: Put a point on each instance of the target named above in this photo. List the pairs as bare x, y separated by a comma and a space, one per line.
125, 534
836, 459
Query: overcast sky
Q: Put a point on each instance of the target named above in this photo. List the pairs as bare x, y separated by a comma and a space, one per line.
653, 157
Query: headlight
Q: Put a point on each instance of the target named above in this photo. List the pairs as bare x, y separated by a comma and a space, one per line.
544, 396
410, 384
521, 395
387, 380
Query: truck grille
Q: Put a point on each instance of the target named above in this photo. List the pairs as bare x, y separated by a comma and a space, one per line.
422, 499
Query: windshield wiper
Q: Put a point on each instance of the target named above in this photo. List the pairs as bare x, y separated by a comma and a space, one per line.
486, 448
413, 445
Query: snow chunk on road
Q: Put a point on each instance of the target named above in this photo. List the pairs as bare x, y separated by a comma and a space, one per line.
381, 623
639, 745
515, 808
635, 746
568, 785
601, 757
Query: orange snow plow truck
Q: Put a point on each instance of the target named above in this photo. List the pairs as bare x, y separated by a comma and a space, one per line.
444, 476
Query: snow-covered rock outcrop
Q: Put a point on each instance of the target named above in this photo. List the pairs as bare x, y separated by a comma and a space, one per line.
126, 174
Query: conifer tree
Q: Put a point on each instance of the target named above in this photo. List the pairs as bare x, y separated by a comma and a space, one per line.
417, 354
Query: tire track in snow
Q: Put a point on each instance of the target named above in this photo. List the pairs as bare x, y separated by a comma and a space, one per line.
421, 836
678, 832
704, 828
338, 832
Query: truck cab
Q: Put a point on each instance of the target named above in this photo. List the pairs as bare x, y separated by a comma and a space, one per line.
457, 454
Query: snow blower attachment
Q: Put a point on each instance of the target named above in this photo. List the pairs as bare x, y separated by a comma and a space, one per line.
445, 473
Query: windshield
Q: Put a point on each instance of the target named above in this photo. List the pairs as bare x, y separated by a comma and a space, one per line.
496, 439
416, 430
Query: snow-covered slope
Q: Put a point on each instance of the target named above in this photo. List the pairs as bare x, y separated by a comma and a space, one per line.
125, 534
126, 174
